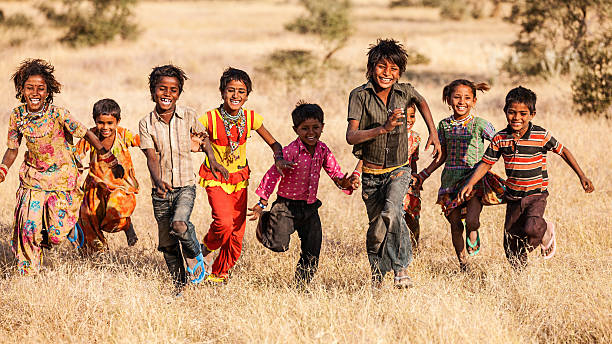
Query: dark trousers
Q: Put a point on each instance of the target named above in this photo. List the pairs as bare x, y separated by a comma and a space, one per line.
287, 216
524, 227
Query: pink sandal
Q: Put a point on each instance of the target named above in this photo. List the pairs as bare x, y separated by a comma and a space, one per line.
552, 242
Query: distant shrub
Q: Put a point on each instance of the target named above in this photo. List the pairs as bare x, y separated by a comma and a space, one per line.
461, 10
292, 66
92, 22
16, 20
328, 19
410, 3
416, 58
566, 37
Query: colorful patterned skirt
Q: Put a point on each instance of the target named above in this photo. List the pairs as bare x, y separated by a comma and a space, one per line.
490, 189
104, 210
42, 218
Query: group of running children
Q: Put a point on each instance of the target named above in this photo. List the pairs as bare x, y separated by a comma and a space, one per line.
52, 206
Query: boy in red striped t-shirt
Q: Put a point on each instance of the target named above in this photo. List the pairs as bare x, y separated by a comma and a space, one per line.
523, 146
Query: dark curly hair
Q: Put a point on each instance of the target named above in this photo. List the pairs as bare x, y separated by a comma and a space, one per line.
448, 90
233, 74
31, 67
386, 49
169, 71
304, 111
521, 95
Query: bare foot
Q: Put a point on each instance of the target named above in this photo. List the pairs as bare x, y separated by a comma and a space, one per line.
131, 236
402, 280
208, 258
549, 249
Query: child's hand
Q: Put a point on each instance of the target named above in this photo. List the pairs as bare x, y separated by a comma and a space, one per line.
282, 165
217, 167
256, 209
197, 139
394, 120
345, 183
587, 185
465, 193
355, 181
161, 188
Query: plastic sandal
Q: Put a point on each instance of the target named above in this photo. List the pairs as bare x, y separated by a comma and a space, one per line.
200, 264
77, 234
474, 245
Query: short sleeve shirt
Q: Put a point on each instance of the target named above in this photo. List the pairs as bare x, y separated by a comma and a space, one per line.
51, 163
365, 106
172, 144
524, 159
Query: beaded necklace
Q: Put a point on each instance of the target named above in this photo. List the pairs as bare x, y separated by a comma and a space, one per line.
229, 121
461, 122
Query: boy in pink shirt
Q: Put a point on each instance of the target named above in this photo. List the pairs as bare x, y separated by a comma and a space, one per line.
296, 206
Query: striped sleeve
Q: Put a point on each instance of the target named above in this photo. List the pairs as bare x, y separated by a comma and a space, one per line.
493, 152
551, 144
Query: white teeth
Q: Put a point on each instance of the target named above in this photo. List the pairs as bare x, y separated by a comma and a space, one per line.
235, 102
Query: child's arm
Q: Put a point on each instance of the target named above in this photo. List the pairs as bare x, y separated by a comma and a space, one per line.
356, 175
280, 163
354, 135
345, 182
7, 161
104, 154
586, 183
161, 187
264, 190
433, 166
433, 139
480, 172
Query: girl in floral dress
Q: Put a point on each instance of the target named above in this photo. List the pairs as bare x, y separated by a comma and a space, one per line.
48, 197
462, 136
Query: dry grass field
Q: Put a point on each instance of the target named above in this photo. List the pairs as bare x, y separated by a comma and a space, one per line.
125, 295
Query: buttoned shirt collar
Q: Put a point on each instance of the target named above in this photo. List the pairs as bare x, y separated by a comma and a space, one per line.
178, 112
302, 146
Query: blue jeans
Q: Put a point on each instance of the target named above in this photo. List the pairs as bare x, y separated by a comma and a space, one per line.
388, 239
176, 206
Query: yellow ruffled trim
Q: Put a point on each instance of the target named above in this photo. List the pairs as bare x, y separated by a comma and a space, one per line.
228, 188
383, 170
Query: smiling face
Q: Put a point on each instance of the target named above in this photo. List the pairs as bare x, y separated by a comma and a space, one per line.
410, 116
461, 101
106, 125
234, 96
309, 132
519, 116
386, 73
167, 92
35, 92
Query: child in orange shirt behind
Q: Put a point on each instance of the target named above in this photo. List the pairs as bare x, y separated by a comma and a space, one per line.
108, 202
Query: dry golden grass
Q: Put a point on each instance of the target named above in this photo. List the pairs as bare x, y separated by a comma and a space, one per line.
125, 295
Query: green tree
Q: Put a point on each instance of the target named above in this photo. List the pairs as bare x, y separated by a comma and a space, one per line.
92, 22
328, 19
566, 37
